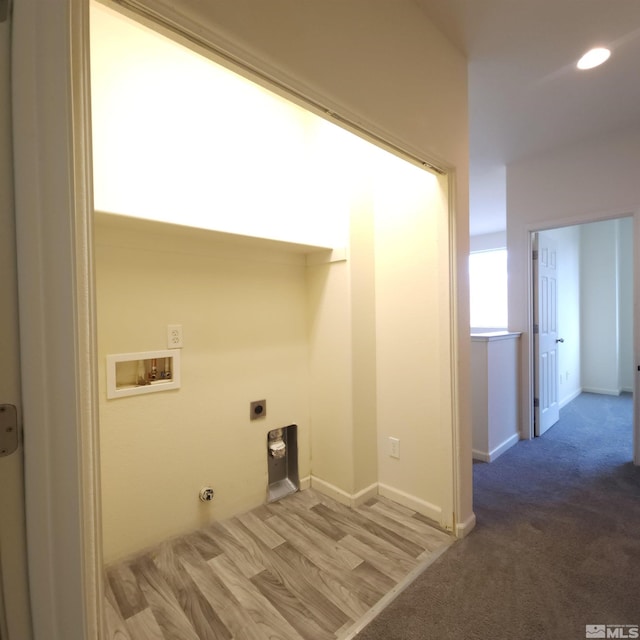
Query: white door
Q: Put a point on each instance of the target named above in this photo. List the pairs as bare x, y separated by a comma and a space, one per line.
546, 340
14, 595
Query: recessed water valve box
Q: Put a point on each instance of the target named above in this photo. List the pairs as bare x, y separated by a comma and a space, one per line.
130, 374
258, 409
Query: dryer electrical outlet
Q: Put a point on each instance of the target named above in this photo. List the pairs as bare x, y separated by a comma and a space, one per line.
257, 409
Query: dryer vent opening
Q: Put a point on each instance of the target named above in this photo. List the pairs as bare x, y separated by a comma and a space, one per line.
282, 462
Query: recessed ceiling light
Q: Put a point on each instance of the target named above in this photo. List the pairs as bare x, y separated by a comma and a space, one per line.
593, 58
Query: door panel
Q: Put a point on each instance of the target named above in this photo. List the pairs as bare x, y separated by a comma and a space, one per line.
14, 595
547, 408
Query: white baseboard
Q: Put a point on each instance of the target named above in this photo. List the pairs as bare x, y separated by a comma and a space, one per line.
355, 500
331, 490
604, 392
464, 528
498, 451
361, 497
305, 483
507, 444
412, 502
350, 500
572, 396
483, 456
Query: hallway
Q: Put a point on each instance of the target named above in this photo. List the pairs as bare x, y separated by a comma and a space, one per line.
556, 546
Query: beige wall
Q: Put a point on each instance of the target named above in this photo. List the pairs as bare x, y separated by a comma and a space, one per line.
330, 374
387, 67
174, 133
382, 61
414, 341
343, 359
353, 347
380, 345
243, 313
364, 343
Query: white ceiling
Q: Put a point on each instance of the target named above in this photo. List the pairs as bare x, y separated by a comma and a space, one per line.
525, 94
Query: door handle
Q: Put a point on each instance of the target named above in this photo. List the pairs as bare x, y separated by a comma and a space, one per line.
559, 340
8, 429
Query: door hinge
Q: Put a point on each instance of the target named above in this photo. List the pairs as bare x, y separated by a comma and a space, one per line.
8, 429
536, 402
536, 328
535, 254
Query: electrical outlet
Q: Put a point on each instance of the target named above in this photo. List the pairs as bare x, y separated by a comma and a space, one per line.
394, 447
257, 409
174, 336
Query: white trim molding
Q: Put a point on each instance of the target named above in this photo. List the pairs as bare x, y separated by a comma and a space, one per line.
355, 500
431, 511
54, 205
570, 398
463, 529
603, 392
498, 451
349, 500
363, 496
331, 490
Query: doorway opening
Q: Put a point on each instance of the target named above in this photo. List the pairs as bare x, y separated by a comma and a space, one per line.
284, 245
57, 252
582, 315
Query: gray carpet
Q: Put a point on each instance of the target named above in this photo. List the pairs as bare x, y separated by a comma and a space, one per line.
556, 546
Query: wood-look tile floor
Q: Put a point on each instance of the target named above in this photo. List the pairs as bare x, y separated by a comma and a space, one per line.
305, 567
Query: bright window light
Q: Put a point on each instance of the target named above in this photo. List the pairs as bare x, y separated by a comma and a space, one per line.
488, 289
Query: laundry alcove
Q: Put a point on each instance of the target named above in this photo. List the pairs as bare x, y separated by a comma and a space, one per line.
305, 265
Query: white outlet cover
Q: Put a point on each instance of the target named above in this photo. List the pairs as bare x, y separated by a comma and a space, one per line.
394, 447
174, 336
